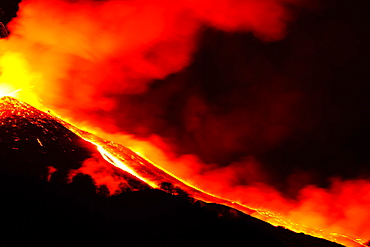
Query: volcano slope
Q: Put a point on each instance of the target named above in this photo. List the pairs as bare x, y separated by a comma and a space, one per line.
39, 207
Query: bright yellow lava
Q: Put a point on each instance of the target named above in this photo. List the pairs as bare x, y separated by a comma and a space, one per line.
16, 78
275, 219
118, 163
267, 216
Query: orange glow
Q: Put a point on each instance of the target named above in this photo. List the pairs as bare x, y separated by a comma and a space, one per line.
306, 212
16, 79
311, 221
118, 163
76, 57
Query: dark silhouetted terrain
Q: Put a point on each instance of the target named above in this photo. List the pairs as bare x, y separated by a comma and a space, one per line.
35, 212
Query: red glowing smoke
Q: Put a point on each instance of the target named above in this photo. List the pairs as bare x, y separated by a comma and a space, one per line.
136, 67
102, 174
92, 51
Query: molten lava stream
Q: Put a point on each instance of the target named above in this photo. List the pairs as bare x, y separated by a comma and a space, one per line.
118, 163
149, 172
153, 175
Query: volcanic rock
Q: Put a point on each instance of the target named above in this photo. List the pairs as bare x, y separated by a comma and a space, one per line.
34, 143
35, 212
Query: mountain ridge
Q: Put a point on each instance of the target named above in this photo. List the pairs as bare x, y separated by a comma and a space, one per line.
32, 140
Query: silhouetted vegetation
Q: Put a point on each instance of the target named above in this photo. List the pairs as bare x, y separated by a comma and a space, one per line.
35, 212
176, 191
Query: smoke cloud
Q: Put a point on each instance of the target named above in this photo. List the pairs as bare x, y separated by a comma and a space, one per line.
262, 102
78, 45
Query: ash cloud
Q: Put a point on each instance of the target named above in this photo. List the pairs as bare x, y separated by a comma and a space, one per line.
221, 98
298, 105
83, 43
281, 125
163, 68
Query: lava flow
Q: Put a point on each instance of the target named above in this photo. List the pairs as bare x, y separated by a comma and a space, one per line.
82, 58
130, 161
155, 176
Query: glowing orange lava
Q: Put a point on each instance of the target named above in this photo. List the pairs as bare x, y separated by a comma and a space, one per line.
139, 166
154, 175
77, 77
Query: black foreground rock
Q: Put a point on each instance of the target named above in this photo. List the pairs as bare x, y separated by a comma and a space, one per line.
35, 212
